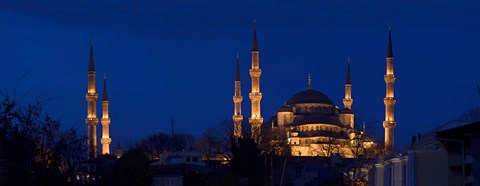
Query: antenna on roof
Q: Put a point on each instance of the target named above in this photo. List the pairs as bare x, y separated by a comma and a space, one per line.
173, 149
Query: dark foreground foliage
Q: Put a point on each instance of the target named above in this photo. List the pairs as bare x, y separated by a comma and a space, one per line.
33, 148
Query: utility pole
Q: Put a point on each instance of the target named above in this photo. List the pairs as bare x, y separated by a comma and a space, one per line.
173, 147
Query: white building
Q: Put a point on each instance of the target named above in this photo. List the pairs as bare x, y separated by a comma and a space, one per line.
180, 157
416, 168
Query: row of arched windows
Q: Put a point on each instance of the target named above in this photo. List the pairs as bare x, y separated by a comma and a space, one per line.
319, 128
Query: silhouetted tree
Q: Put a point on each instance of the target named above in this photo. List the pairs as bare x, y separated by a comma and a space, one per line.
210, 143
274, 142
246, 161
155, 144
34, 148
414, 139
133, 169
216, 141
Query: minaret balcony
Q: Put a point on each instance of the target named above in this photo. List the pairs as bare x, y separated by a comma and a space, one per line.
389, 78
91, 121
255, 96
255, 72
389, 124
237, 99
106, 140
347, 102
255, 120
237, 118
91, 96
389, 100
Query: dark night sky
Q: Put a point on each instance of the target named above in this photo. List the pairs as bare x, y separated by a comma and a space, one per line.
177, 58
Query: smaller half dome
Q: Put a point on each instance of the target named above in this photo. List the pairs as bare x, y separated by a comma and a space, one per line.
346, 111
285, 108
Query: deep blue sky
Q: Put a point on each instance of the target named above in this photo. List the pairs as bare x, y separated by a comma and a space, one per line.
177, 58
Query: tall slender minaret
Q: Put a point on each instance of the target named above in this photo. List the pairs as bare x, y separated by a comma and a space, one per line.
389, 100
106, 140
255, 119
347, 100
347, 115
91, 119
237, 100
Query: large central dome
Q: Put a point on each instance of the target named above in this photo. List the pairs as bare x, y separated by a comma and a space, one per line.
309, 96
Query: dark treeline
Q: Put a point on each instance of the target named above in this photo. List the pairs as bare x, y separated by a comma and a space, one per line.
214, 141
33, 148
131, 169
155, 144
243, 157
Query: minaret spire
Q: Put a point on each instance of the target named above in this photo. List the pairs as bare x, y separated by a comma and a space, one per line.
389, 124
237, 101
255, 42
255, 95
105, 93
348, 80
91, 64
105, 140
91, 120
389, 49
237, 74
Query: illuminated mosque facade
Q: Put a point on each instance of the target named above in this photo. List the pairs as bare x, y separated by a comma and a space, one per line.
309, 123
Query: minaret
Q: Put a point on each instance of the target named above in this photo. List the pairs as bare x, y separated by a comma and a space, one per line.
237, 100
255, 119
91, 119
106, 140
346, 115
347, 100
389, 100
